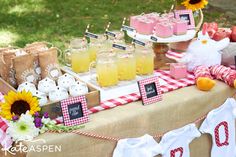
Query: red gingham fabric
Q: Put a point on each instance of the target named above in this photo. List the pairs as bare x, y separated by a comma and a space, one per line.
5, 140
174, 55
217, 134
3, 124
175, 151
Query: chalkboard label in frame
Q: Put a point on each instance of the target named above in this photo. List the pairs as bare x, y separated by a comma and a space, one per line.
91, 35
121, 47
150, 90
153, 38
74, 111
138, 42
127, 28
109, 33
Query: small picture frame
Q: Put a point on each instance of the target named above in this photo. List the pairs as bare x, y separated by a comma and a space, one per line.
150, 90
186, 15
74, 111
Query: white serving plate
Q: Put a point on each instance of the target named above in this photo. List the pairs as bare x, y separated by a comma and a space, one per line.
175, 38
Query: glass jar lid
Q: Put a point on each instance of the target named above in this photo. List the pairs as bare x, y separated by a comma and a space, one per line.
78, 43
101, 38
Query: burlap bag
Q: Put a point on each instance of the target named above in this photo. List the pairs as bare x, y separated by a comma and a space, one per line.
23, 66
49, 64
7, 71
36, 48
1, 60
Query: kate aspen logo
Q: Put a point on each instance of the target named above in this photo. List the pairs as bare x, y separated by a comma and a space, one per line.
19, 147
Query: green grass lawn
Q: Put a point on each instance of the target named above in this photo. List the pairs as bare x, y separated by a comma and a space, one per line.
57, 21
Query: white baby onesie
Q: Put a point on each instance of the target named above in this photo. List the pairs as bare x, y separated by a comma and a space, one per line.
220, 123
176, 143
144, 146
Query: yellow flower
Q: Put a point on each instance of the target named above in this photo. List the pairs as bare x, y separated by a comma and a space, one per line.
18, 103
195, 4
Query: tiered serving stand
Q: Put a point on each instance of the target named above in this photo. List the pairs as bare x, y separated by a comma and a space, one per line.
162, 45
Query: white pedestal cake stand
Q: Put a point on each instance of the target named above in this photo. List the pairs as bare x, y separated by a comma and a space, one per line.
175, 38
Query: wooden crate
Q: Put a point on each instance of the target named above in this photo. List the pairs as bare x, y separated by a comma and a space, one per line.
54, 108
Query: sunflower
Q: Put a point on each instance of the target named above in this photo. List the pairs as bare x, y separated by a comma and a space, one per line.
195, 4
19, 103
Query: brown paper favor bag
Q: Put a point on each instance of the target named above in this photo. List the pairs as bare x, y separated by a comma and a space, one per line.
19, 51
5, 49
23, 66
49, 64
36, 48
1, 63
7, 71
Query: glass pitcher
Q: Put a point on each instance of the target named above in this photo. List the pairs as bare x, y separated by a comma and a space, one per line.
126, 64
78, 55
144, 60
106, 69
95, 45
119, 35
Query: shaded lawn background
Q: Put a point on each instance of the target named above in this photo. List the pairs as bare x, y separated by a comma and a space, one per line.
57, 21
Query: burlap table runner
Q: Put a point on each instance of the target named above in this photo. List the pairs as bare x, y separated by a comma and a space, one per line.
177, 109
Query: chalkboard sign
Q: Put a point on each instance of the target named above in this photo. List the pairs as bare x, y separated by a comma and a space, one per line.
153, 38
150, 90
74, 111
110, 34
186, 15
138, 42
127, 28
91, 35
121, 47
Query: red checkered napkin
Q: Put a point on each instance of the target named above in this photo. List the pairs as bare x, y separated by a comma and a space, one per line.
173, 84
5, 140
174, 55
115, 102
